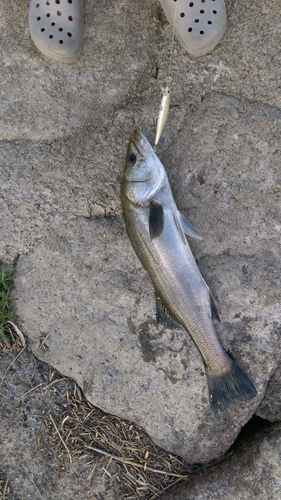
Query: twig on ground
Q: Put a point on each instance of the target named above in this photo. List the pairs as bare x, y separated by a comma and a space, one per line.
12, 362
19, 333
128, 461
30, 390
58, 432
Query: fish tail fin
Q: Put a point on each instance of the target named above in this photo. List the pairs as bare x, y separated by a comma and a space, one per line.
232, 385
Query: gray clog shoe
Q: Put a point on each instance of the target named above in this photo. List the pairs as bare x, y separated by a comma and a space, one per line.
199, 24
57, 28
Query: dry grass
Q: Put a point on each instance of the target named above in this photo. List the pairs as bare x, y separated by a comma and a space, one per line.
86, 433
10, 343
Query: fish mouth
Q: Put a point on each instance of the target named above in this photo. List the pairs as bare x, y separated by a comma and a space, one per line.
136, 135
136, 139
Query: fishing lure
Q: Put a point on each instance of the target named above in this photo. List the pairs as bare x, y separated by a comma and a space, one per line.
163, 113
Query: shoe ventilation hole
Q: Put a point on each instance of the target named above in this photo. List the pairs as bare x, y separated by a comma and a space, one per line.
38, 5
48, 15
69, 1
60, 29
59, 13
202, 11
47, 3
57, 1
70, 18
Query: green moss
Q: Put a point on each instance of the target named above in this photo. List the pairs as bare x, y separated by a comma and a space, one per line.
6, 282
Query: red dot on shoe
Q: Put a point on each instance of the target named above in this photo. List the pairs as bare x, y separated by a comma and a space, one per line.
70, 18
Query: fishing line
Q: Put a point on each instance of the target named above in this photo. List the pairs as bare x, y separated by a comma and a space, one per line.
172, 42
166, 92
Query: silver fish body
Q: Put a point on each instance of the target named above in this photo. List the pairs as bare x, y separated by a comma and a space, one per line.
157, 232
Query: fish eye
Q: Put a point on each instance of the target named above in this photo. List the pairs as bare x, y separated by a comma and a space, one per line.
132, 159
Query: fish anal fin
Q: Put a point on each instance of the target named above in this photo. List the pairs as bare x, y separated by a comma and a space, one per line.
163, 317
156, 219
232, 385
214, 308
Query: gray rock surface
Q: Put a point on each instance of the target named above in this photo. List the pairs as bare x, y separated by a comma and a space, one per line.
253, 472
64, 136
270, 407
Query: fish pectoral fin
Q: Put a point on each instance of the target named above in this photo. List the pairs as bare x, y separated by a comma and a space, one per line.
156, 219
214, 308
185, 227
163, 317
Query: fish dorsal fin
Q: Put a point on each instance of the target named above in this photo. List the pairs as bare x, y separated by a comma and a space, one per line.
185, 227
214, 308
156, 219
163, 317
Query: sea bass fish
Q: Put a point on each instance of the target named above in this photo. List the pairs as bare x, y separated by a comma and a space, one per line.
157, 231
